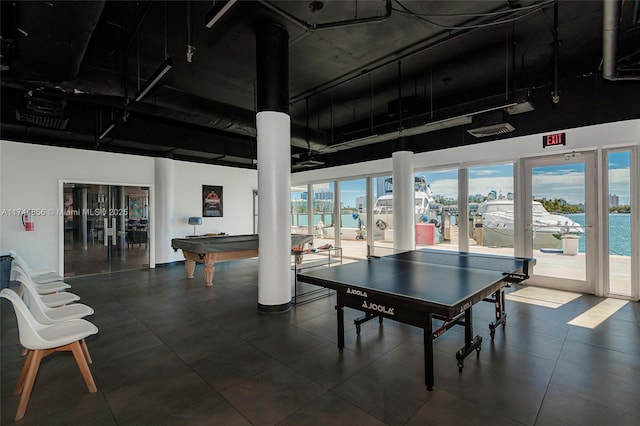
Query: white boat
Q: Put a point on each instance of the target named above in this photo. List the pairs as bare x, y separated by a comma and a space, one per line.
548, 229
426, 209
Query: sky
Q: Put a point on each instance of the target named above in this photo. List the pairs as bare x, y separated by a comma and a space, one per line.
559, 181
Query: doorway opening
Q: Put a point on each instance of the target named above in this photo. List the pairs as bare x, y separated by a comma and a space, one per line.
560, 211
106, 228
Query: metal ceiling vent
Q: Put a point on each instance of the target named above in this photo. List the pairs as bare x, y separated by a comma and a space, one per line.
495, 129
43, 112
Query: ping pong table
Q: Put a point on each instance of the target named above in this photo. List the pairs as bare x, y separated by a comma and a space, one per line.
416, 287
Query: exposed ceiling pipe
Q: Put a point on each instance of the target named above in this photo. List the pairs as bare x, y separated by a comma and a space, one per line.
610, 29
611, 17
555, 95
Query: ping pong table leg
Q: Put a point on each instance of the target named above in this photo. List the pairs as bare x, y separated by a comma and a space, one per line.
428, 353
468, 327
470, 343
340, 310
501, 313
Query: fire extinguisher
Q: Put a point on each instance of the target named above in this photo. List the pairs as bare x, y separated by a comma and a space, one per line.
28, 222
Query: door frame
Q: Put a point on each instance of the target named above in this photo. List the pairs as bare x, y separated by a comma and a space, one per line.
151, 224
589, 158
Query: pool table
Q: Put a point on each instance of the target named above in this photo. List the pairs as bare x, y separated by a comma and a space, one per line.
212, 249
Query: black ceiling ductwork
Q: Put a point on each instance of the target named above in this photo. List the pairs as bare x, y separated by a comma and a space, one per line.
461, 61
610, 30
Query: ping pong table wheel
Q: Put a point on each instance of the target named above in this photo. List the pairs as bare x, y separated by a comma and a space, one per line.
460, 366
492, 332
358, 329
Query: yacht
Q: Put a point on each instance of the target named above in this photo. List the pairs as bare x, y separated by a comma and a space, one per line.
425, 207
548, 228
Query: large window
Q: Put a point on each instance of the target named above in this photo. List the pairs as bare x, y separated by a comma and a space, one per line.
491, 208
322, 219
382, 222
619, 219
323, 210
353, 200
299, 210
436, 204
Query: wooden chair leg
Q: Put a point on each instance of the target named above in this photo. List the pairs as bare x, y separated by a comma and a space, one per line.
23, 374
28, 382
84, 368
85, 351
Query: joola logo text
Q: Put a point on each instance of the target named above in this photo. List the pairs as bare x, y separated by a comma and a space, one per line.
379, 308
357, 292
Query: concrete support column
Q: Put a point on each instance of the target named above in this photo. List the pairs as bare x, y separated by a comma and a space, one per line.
164, 209
274, 168
404, 230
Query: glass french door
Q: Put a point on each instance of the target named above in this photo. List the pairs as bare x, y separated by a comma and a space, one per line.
560, 213
106, 228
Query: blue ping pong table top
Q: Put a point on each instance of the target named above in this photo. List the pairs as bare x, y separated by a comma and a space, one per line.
434, 276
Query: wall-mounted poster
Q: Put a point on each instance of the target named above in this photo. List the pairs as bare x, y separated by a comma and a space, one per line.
136, 207
212, 201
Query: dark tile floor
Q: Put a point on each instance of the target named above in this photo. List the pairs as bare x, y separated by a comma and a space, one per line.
97, 258
173, 352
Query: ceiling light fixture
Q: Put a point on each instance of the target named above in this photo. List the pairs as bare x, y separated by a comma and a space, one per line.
217, 11
494, 129
411, 131
164, 68
109, 128
519, 108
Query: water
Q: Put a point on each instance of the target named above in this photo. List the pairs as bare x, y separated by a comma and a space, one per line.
619, 233
619, 229
347, 220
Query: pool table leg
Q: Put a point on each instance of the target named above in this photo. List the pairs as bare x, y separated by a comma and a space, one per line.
209, 269
190, 266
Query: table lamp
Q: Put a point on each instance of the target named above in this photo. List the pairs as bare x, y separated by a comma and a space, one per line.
195, 221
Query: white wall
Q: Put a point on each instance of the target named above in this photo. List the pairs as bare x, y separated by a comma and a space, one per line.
591, 137
30, 177
237, 202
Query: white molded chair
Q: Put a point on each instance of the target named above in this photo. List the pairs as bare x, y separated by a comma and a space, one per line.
39, 277
42, 340
62, 298
42, 288
51, 299
46, 315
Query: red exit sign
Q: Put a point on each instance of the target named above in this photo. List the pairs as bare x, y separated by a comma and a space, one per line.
554, 139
